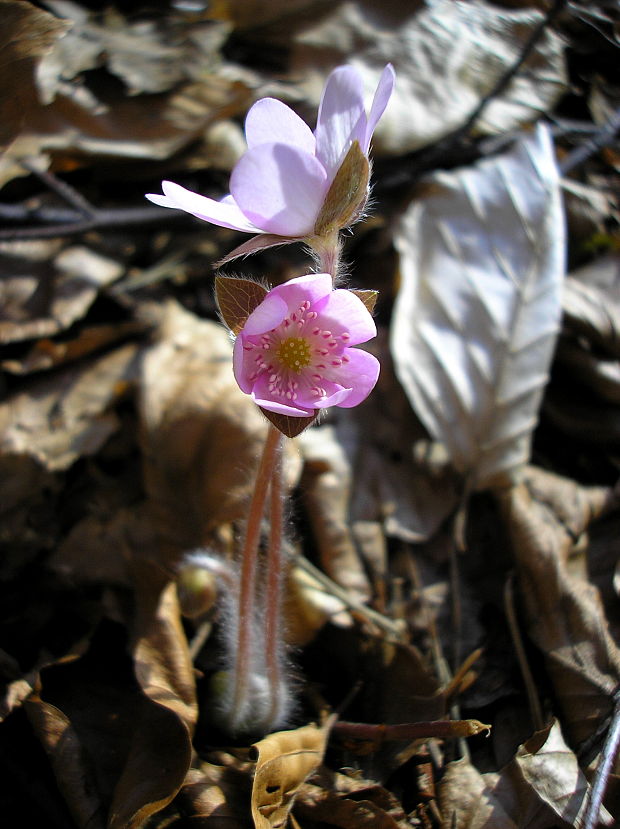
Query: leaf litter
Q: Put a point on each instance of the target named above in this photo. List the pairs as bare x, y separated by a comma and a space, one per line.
452, 542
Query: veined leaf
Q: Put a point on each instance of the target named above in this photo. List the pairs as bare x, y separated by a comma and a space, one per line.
478, 311
236, 299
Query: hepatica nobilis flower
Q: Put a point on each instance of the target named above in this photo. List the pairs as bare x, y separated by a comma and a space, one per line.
294, 353
287, 184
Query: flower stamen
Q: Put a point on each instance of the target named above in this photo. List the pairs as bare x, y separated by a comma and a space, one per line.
294, 353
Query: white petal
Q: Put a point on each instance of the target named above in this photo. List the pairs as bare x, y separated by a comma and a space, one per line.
342, 118
225, 213
270, 121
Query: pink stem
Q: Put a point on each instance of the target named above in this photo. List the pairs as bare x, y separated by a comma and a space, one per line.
273, 609
243, 663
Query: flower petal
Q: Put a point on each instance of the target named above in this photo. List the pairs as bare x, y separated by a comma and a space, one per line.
383, 93
336, 398
342, 311
262, 396
241, 368
224, 213
271, 122
279, 188
360, 373
341, 118
269, 314
281, 408
312, 287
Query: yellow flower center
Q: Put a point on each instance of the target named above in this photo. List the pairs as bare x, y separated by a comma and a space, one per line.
294, 353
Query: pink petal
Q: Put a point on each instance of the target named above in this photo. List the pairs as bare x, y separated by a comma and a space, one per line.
337, 398
241, 365
312, 287
281, 408
334, 393
360, 374
269, 314
341, 118
270, 122
383, 94
342, 311
262, 397
280, 188
223, 213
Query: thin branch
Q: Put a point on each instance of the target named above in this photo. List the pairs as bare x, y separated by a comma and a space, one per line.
72, 223
67, 193
517, 642
604, 136
603, 770
503, 83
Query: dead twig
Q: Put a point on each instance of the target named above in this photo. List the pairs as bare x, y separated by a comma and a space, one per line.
603, 770
602, 138
52, 222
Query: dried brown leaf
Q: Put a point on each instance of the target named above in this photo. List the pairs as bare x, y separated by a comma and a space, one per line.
145, 126
327, 486
161, 749
46, 353
542, 786
75, 276
563, 612
369, 298
70, 414
217, 792
409, 496
591, 304
349, 802
236, 299
70, 763
284, 761
27, 34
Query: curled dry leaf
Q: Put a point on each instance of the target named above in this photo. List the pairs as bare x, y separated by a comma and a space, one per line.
70, 763
591, 304
137, 53
563, 614
161, 748
478, 311
327, 481
309, 606
408, 495
27, 34
70, 414
542, 786
350, 801
75, 276
218, 792
284, 760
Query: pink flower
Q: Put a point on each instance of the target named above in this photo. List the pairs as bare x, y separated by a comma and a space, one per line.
279, 185
294, 355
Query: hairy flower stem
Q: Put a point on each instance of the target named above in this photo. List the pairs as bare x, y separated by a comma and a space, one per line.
326, 251
273, 597
243, 661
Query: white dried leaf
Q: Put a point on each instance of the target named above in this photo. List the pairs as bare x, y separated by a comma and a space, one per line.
478, 311
448, 55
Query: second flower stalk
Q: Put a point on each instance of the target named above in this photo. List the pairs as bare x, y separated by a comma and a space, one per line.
294, 354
